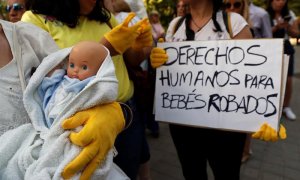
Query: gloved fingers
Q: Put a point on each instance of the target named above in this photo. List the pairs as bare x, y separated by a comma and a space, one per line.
156, 65
82, 138
257, 135
260, 132
143, 24
79, 162
94, 164
145, 35
75, 121
274, 136
138, 27
158, 54
127, 20
158, 50
268, 133
158, 57
161, 40
144, 40
282, 132
158, 62
264, 127
146, 26
263, 130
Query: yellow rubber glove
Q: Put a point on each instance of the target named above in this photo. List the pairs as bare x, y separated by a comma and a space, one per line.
267, 133
122, 36
145, 39
158, 57
101, 125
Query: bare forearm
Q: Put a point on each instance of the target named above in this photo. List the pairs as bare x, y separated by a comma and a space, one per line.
135, 57
293, 30
107, 44
244, 34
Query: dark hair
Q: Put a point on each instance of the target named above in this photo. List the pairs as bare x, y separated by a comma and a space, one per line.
284, 11
175, 8
67, 11
217, 5
28, 4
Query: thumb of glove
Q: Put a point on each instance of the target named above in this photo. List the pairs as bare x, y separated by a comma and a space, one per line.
74, 121
260, 132
123, 36
161, 40
158, 57
282, 132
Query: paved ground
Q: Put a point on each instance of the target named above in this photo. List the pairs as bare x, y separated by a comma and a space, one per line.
270, 161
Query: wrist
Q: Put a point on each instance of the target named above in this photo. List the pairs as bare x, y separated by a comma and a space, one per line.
109, 46
128, 115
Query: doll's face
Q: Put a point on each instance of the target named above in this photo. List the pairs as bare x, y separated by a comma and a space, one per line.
85, 60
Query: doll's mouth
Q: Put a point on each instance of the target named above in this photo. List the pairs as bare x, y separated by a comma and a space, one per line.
74, 77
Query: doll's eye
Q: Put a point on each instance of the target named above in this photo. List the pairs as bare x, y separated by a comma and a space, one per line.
84, 67
71, 65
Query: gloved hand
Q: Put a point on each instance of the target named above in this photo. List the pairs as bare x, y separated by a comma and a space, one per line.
267, 133
101, 125
122, 36
145, 39
158, 57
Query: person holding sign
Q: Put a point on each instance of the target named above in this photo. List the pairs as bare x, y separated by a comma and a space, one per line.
195, 146
284, 24
89, 20
241, 7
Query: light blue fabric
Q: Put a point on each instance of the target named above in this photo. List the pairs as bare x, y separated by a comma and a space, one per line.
33, 151
58, 84
260, 21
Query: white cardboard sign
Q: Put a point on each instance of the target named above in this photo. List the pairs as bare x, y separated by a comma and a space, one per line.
227, 84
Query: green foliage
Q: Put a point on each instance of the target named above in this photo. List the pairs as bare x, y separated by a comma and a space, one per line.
295, 6
260, 3
166, 9
2, 8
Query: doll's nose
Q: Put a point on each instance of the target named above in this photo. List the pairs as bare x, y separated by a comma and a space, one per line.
76, 69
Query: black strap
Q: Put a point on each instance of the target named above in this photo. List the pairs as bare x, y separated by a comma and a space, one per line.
178, 24
180, 21
109, 24
225, 19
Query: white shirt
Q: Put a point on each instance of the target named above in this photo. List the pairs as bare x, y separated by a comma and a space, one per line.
260, 21
207, 32
35, 45
138, 7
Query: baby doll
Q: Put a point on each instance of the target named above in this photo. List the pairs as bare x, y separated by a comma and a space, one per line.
87, 79
61, 85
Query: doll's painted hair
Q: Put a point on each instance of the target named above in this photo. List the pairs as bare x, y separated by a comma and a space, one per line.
67, 11
284, 11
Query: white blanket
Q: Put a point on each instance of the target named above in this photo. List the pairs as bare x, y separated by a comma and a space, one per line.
35, 152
